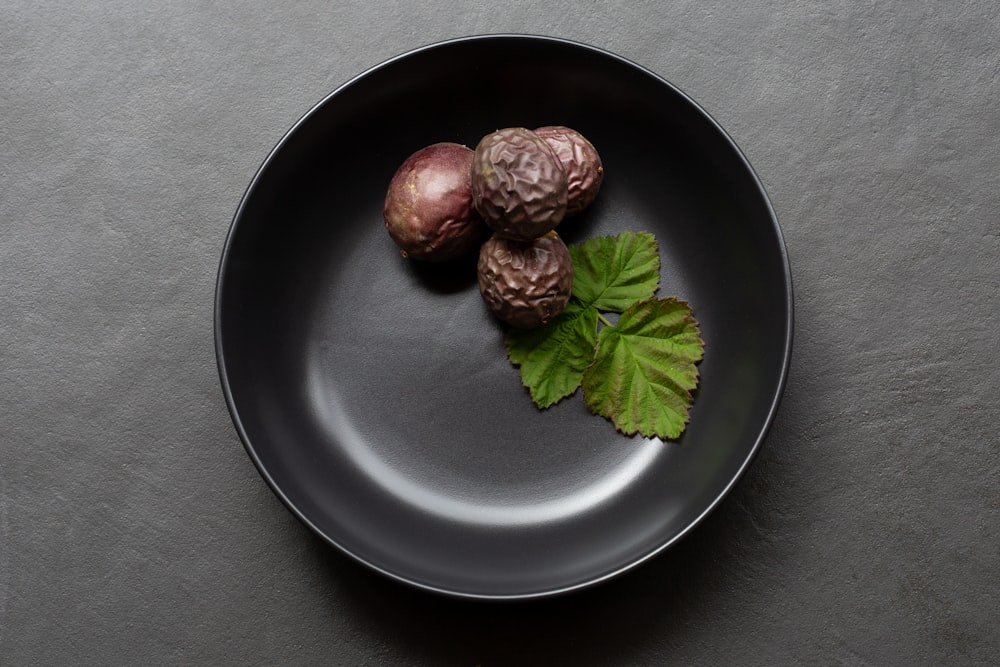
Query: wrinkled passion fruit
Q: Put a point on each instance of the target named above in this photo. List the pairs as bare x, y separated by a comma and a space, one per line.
581, 162
428, 207
525, 283
518, 184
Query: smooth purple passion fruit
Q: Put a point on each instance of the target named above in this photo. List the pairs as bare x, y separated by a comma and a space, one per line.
518, 184
581, 162
428, 208
525, 283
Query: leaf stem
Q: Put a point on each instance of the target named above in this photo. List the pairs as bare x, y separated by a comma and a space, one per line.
605, 320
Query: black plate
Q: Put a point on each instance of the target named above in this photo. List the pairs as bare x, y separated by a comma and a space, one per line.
373, 392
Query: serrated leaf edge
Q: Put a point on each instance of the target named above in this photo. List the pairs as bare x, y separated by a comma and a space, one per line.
615, 239
689, 394
531, 394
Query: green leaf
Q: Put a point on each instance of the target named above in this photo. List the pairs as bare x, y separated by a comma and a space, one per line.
611, 273
644, 369
552, 357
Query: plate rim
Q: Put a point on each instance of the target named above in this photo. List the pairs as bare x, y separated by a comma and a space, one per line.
552, 591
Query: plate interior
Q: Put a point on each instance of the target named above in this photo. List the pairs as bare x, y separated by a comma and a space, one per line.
373, 392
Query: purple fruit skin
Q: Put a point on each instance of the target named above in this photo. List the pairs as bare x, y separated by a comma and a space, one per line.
525, 283
582, 163
518, 184
428, 207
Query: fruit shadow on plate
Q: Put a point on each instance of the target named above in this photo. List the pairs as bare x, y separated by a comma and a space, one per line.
448, 277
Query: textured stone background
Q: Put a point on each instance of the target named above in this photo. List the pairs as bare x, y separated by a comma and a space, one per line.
133, 527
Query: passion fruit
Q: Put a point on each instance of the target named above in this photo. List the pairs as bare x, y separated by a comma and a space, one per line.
428, 207
525, 283
518, 184
580, 161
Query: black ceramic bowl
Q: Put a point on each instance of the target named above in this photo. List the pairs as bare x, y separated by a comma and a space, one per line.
373, 392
